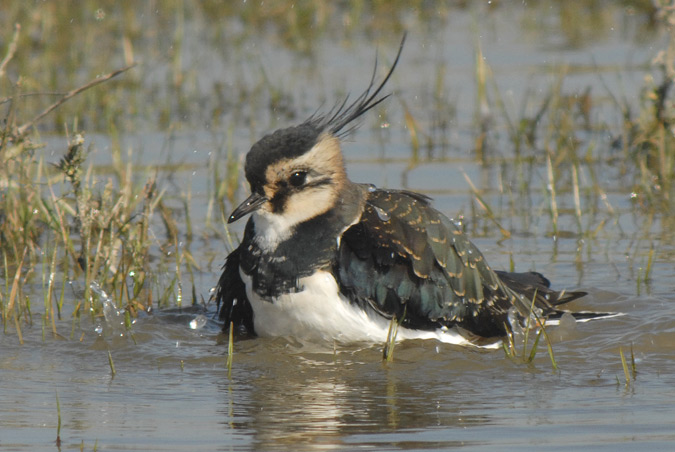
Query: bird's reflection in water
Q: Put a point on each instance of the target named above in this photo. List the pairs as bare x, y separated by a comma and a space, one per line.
315, 400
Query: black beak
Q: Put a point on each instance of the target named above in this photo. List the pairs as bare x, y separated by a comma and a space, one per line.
251, 203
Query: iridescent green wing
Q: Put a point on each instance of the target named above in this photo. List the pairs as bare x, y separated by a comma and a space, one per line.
405, 258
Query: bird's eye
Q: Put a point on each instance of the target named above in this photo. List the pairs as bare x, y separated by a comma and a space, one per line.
297, 178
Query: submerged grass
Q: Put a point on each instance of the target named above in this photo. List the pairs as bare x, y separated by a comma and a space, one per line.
113, 372
388, 350
230, 350
534, 321
629, 374
58, 420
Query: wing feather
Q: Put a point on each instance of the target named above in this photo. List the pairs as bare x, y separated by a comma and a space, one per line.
231, 299
403, 256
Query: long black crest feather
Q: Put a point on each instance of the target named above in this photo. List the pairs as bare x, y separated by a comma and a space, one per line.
343, 114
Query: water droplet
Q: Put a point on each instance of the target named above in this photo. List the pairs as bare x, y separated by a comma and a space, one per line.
382, 215
99, 329
372, 188
198, 322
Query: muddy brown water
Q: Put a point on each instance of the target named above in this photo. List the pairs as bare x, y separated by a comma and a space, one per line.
172, 391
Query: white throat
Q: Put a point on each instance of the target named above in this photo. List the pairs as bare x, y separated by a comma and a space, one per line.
271, 229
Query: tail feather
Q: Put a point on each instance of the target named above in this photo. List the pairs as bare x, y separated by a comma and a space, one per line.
536, 285
580, 316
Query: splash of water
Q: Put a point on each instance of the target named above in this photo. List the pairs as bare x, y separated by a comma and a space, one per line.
114, 318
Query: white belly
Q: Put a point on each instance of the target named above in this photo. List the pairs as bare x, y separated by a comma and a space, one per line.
320, 312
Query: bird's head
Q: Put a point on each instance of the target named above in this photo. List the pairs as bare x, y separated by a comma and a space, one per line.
297, 173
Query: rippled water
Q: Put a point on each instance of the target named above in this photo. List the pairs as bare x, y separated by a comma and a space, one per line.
172, 391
